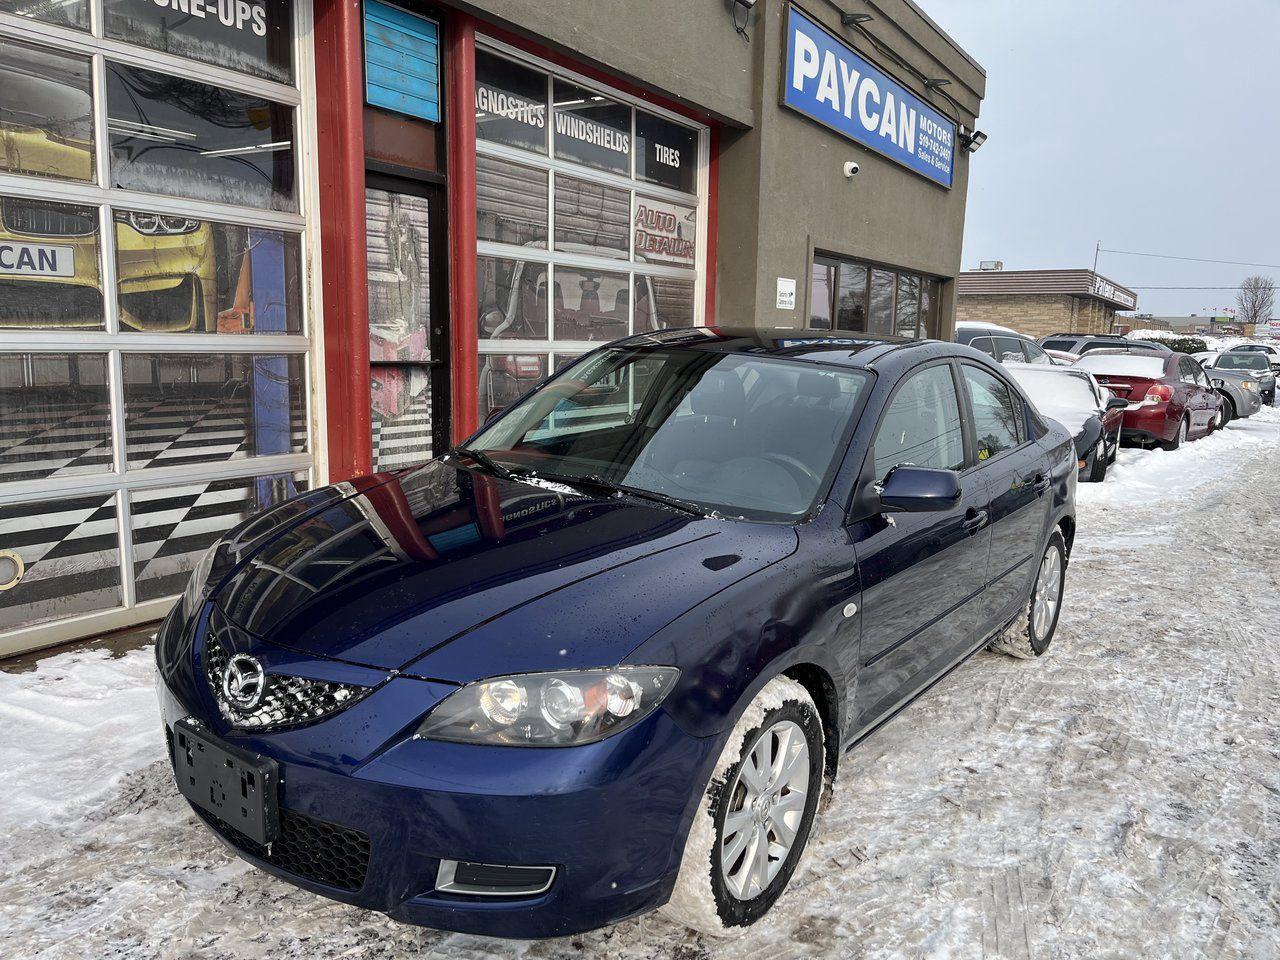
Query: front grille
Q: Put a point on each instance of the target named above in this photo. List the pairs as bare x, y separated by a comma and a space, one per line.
313, 849
286, 702
40, 219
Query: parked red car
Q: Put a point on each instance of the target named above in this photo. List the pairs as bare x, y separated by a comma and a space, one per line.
1170, 397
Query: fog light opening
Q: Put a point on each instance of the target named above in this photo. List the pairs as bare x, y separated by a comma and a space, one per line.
492, 879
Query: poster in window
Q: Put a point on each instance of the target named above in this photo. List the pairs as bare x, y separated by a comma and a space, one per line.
591, 129
665, 232
46, 112
250, 36
511, 103
399, 276
666, 152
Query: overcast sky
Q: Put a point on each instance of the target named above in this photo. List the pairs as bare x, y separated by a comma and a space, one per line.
1151, 125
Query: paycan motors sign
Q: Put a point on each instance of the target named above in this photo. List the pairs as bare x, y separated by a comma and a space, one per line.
827, 81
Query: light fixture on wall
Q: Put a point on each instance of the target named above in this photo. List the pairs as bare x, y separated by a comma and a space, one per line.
935, 83
853, 19
971, 140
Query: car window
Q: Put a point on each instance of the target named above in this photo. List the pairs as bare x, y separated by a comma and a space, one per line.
1187, 370
1068, 345
997, 417
1242, 361
985, 344
921, 425
1009, 350
1034, 353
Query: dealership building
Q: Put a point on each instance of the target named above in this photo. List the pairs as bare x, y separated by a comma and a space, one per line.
248, 247
1043, 302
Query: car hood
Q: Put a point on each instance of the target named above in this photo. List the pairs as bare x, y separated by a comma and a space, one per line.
455, 575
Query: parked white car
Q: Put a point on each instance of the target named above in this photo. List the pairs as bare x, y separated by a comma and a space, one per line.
1092, 414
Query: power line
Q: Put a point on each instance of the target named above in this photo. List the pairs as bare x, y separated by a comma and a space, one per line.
1166, 256
1136, 286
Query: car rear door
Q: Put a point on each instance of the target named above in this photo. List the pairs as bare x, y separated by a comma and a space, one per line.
1016, 471
1195, 400
923, 574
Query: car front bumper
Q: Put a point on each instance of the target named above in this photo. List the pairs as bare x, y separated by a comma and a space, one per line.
611, 817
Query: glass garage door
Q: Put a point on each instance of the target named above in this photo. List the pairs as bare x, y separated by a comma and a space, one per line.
154, 338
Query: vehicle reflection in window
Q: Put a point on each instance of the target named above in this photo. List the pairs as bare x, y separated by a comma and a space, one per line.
46, 112
590, 305
49, 266
512, 298
182, 275
183, 138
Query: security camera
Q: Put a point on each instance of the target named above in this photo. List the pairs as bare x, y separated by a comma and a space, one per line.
851, 170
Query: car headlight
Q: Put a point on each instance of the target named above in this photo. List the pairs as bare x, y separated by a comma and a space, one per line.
157, 224
193, 596
1248, 385
558, 709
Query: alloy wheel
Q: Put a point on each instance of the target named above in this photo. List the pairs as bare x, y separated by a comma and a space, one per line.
766, 809
1048, 592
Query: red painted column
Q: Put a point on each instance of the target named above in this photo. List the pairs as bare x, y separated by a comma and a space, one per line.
342, 259
460, 134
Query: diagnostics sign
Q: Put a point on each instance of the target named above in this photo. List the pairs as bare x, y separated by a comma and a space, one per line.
829, 82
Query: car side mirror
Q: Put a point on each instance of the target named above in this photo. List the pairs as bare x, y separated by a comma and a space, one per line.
1117, 403
920, 489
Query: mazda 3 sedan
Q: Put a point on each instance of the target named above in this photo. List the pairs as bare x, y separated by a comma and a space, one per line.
606, 655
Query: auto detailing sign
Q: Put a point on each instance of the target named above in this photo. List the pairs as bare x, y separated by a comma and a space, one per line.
665, 232
828, 82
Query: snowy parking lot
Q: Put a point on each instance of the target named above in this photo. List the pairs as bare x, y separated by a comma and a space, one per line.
1120, 797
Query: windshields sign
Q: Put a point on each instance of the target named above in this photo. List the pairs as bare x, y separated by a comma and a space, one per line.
827, 81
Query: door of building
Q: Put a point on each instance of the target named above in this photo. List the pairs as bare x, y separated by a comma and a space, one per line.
408, 320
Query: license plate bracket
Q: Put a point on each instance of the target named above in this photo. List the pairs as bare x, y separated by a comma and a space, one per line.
238, 787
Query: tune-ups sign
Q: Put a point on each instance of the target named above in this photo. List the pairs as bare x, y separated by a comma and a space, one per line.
827, 81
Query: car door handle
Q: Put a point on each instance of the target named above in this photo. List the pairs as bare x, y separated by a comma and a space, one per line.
1039, 483
974, 520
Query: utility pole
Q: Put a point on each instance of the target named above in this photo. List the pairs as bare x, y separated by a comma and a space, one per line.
1096, 251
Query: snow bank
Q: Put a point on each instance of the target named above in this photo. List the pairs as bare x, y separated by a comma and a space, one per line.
1150, 476
73, 728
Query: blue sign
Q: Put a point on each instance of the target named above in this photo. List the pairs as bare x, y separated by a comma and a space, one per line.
829, 82
401, 61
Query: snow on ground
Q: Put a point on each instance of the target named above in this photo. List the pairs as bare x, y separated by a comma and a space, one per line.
1120, 797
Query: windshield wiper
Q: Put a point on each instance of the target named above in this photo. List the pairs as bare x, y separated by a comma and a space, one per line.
486, 461
599, 483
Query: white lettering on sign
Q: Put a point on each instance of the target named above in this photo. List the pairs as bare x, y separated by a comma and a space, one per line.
36, 260
668, 155
588, 131
236, 14
510, 107
786, 293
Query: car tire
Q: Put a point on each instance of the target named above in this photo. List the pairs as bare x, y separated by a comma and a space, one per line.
1228, 410
722, 887
1178, 438
1029, 636
1115, 447
1098, 462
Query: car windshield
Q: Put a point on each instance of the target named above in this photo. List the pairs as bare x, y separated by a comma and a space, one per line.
1123, 365
1242, 361
743, 436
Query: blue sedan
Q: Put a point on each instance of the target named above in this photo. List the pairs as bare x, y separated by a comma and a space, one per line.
606, 655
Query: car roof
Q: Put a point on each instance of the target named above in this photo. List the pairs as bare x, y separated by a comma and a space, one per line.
985, 325
837, 347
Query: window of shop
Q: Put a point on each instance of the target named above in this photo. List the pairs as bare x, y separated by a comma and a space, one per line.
866, 298
590, 219
154, 333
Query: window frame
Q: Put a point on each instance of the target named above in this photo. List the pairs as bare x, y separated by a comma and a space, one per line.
550, 165
114, 341
926, 284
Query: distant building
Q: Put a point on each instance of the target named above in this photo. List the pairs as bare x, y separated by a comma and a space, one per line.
1041, 302
1216, 325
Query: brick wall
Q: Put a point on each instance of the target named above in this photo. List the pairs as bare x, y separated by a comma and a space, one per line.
1037, 315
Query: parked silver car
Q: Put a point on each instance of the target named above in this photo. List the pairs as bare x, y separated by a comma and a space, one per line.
1244, 379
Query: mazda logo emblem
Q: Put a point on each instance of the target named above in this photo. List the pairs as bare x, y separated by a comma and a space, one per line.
244, 682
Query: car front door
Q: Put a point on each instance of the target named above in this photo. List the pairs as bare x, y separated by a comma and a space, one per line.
923, 574
1016, 471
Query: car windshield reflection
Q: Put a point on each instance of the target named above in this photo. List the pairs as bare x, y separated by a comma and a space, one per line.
743, 436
